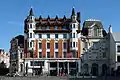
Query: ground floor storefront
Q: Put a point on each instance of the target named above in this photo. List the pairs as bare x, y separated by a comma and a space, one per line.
52, 67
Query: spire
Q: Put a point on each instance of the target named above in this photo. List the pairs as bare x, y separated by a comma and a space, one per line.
31, 12
56, 17
73, 11
64, 17
40, 17
48, 17
78, 17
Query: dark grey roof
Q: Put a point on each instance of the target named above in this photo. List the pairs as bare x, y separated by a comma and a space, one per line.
88, 24
116, 36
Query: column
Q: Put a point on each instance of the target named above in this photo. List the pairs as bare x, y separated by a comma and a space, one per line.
48, 67
68, 67
57, 68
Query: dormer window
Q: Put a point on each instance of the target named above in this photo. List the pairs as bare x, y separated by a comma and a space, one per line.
48, 27
56, 27
39, 27
64, 27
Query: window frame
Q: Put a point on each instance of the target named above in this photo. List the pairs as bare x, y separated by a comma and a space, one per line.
48, 35
48, 45
56, 35
118, 58
118, 48
64, 35
40, 56
40, 45
30, 35
40, 35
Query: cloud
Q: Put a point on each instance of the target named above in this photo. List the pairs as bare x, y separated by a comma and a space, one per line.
15, 23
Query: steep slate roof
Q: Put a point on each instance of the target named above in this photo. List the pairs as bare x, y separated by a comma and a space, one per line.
116, 36
89, 23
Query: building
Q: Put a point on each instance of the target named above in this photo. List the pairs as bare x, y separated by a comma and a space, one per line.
4, 57
114, 49
94, 57
54, 42
17, 54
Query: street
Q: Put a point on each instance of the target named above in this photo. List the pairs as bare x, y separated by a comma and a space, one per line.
34, 78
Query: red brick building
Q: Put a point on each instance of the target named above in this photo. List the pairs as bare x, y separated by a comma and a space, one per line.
53, 41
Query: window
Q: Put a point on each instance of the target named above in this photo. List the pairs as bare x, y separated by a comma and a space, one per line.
40, 45
30, 35
73, 53
95, 45
30, 44
70, 26
48, 27
73, 44
64, 27
70, 35
86, 44
56, 35
73, 35
64, 53
95, 31
39, 28
36, 63
30, 25
56, 45
118, 58
56, 54
33, 35
64, 35
21, 67
48, 35
70, 44
118, 48
21, 55
73, 25
65, 45
48, 54
104, 54
76, 44
40, 54
48, 45
27, 44
56, 27
40, 35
